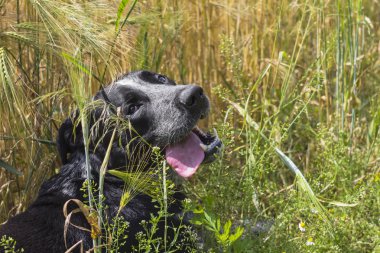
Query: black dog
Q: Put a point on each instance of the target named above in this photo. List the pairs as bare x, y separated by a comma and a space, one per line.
163, 115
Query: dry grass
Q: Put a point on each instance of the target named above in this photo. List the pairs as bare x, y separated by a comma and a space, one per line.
306, 71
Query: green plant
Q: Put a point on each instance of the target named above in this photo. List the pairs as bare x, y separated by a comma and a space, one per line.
156, 184
8, 244
223, 234
306, 72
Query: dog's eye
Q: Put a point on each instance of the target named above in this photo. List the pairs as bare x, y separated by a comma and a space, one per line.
161, 78
132, 109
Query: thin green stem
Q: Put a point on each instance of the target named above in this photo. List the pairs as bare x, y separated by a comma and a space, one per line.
165, 199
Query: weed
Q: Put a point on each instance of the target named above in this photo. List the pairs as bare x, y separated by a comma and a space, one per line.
8, 244
299, 76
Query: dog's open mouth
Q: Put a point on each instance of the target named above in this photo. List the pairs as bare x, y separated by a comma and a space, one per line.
197, 147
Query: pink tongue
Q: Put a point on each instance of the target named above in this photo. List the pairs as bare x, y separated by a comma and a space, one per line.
186, 156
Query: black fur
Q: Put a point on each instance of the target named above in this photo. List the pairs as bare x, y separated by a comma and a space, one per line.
41, 227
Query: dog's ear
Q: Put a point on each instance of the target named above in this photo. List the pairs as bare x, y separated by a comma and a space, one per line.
69, 139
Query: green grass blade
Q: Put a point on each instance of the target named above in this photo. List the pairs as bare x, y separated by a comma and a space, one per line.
77, 63
128, 14
9, 168
301, 181
120, 11
304, 186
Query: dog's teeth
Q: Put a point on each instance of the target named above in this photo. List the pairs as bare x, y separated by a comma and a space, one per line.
204, 147
196, 128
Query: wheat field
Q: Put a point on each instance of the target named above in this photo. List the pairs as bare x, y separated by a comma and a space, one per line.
294, 87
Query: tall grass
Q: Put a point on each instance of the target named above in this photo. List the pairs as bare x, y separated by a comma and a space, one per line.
306, 71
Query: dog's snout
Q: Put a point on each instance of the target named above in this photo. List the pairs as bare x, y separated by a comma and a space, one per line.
191, 96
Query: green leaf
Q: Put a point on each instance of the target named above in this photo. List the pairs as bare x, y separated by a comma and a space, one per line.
126, 17
120, 11
80, 65
227, 227
238, 233
218, 224
223, 238
198, 210
9, 168
208, 218
209, 228
338, 203
196, 222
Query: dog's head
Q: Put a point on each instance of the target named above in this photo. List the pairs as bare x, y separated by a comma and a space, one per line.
162, 113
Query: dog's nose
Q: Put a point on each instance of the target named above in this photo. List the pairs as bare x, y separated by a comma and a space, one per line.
191, 96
